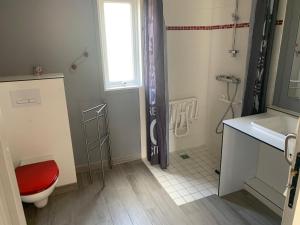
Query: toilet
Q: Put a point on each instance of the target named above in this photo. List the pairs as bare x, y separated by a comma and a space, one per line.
37, 182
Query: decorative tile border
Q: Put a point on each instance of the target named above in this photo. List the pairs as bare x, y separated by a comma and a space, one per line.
214, 27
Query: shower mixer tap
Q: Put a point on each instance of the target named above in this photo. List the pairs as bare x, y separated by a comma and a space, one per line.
228, 79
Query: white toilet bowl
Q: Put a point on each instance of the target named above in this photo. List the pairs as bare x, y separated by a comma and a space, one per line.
40, 199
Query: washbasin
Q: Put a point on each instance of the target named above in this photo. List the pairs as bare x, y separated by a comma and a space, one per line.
279, 126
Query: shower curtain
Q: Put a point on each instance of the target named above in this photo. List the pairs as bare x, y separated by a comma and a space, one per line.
155, 79
262, 28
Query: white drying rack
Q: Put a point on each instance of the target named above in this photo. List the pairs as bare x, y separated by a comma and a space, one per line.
182, 113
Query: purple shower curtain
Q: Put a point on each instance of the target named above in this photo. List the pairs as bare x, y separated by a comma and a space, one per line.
156, 83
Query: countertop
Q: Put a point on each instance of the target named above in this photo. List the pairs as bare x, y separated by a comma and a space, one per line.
244, 125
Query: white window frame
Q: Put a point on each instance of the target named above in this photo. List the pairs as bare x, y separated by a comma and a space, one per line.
136, 36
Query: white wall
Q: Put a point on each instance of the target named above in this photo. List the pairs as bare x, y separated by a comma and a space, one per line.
196, 57
221, 62
188, 60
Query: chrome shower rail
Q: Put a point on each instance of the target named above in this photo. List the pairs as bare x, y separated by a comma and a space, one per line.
96, 116
235, 17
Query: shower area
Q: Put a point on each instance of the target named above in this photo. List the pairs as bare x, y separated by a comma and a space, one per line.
206, 63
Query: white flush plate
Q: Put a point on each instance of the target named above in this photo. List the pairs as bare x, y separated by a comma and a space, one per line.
25, 97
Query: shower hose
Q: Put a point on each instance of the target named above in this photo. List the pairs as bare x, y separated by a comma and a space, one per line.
219, 128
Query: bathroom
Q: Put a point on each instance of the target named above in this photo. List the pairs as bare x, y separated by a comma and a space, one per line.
196, 178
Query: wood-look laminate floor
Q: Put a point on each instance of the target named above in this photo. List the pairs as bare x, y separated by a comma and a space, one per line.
133, 197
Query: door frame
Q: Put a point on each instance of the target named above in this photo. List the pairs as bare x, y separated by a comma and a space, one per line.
11, 209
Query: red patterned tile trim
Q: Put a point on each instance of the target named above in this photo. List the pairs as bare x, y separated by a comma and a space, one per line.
214, 27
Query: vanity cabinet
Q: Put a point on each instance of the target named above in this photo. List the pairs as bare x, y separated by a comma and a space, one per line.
253, 159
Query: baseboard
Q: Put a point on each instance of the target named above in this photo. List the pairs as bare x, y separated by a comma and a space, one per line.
65, 189
115, 161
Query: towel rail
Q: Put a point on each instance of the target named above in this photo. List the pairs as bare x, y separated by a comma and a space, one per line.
99, 114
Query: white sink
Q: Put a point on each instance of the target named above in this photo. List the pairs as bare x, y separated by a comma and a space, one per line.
278, 126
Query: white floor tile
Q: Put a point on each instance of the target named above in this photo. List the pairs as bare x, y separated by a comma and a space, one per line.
189, 198
183, 192
197, 195
192, 190
180, 201
187, 180
179, 187
206, 193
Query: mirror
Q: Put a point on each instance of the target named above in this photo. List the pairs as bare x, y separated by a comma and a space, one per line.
287, 87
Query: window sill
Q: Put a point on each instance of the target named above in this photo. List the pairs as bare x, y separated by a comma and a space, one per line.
124, 90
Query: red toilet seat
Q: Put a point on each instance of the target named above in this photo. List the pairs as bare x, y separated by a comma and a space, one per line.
37, 177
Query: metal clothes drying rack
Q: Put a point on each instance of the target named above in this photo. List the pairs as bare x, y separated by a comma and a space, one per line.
98, 115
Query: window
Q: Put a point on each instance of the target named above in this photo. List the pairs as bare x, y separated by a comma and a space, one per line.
120, 43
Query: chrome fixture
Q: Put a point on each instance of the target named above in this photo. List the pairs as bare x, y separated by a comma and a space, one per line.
228, 79
80, 59
235, 18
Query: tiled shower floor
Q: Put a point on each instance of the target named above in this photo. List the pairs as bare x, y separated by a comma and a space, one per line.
190, 179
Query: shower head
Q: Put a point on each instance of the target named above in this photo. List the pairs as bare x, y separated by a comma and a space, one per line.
228, 79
